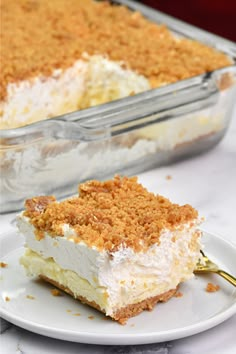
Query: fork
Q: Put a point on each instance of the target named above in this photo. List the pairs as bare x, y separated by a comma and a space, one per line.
210, 266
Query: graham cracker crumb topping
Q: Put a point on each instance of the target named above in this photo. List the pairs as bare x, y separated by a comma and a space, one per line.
112, 213
39, 36
36, 206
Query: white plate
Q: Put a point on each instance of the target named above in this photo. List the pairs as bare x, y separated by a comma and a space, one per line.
48, 315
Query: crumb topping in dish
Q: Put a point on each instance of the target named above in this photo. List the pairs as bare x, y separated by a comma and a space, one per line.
110, 214
39, 36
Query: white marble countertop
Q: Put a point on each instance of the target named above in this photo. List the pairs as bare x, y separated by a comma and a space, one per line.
208, 182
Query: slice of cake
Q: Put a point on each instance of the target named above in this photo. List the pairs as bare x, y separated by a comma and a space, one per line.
115, 247
61, 56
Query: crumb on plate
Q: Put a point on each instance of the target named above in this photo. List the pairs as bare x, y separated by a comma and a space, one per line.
30, 297
211, 288
106, 318
168, 177
55, 292
3, 265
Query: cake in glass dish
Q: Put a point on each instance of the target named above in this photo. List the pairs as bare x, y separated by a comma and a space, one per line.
172, 96
115, 246
63, 56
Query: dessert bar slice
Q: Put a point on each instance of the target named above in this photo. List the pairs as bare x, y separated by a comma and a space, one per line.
116, 246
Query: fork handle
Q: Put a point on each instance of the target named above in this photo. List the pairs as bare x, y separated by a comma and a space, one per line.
227, 276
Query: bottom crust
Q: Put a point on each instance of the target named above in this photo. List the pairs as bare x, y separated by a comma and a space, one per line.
124, 313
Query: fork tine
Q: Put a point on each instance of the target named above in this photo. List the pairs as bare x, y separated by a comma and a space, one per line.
203, 254
212, 267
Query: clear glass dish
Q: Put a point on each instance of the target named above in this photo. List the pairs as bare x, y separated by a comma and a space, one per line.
126, 136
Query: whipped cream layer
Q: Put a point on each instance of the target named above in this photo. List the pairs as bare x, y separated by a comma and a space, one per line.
123, 277
90, 81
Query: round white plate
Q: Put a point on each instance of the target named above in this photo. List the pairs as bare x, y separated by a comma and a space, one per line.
33, 307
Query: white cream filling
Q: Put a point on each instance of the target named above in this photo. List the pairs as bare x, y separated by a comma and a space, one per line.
90, 81
128, 276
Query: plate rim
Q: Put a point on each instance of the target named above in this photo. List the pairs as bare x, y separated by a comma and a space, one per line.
121, 338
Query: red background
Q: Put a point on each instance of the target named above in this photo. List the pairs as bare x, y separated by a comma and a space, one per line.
215, 16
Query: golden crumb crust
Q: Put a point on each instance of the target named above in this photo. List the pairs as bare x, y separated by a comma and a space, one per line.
39, 36
124, 313
110, 214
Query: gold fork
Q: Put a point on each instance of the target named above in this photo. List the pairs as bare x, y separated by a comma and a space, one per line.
210, 266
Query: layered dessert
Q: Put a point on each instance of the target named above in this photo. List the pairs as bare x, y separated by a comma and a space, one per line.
67, 55
61, 56
115, 246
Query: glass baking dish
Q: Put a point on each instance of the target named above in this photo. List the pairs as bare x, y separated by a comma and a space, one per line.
126, 136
